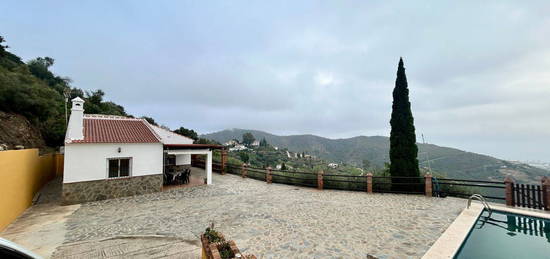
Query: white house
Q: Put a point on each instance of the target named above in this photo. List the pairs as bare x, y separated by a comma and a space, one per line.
333, 165
232, 142
110, 156
238, 147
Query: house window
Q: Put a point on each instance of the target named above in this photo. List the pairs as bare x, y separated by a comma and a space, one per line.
119, 167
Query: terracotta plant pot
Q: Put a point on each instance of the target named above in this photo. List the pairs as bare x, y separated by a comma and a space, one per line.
210, 250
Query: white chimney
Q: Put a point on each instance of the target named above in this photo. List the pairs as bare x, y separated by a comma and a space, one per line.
75, 129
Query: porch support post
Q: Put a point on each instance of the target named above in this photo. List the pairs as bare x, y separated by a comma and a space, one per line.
508, 191
243, 170
268, 177
320, 180
545, 181
428, 184
369, 182
209, 167
224, 159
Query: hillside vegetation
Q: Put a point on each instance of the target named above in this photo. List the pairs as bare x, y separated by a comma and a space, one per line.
443, 160
280, 159
33, 91
32, 102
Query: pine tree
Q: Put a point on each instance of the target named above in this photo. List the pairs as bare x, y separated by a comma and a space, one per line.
263, 143
403, 149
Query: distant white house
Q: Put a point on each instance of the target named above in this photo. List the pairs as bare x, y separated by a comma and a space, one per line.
256, 143
232, 142
280, 166
333, 165
110, 156
238, 147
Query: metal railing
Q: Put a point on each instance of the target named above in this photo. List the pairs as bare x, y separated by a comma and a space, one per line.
463, 188
530, 196
482, 200
381, 184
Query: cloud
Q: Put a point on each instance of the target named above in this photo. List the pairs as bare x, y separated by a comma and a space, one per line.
478, 72
324, 79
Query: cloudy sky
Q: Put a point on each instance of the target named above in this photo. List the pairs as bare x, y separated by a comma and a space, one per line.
478, 71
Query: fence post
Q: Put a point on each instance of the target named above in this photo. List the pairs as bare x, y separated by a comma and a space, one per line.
320, 180
243, 170
369, 182
545, 181
428, 184
268, 177
509, 193
224, 160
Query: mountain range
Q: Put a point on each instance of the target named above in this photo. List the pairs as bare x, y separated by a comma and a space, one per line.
450, 162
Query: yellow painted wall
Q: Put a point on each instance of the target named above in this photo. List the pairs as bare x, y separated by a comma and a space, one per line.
59, 164
22, 174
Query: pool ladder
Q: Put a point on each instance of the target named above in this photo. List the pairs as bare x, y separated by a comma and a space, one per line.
483, 201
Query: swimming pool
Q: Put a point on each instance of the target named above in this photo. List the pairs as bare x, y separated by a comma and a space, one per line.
507, 235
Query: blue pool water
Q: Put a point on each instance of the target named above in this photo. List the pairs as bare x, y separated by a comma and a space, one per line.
507, 235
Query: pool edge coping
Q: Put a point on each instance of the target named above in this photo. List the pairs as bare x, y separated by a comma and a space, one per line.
448, 244
450, 241
522, 211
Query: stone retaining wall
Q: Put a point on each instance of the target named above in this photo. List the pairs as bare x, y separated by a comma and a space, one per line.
110, 188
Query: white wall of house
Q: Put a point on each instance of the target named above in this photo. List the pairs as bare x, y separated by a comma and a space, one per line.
184, 159
89, 161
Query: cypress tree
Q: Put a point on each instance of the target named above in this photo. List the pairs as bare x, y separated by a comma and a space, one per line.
403, 149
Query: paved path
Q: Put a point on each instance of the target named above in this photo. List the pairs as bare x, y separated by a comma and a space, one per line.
276, 221
270, 221
132, 247
41, 228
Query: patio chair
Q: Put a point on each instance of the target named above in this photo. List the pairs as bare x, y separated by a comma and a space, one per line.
186, 175
164, 179
178, 178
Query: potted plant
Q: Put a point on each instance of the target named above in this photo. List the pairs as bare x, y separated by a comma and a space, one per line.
214, 246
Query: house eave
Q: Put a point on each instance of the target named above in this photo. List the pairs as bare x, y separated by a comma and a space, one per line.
193, 146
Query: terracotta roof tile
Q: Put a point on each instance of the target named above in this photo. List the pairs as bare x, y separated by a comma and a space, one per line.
117, 130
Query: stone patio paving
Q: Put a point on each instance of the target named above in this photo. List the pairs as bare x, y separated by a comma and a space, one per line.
275, 221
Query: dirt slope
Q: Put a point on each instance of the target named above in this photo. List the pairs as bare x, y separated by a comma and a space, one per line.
16, 130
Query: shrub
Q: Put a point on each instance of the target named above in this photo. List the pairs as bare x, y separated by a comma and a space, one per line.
213, 236
225, 250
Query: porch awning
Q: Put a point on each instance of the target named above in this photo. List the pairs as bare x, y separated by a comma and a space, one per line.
193, 146
188, 152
